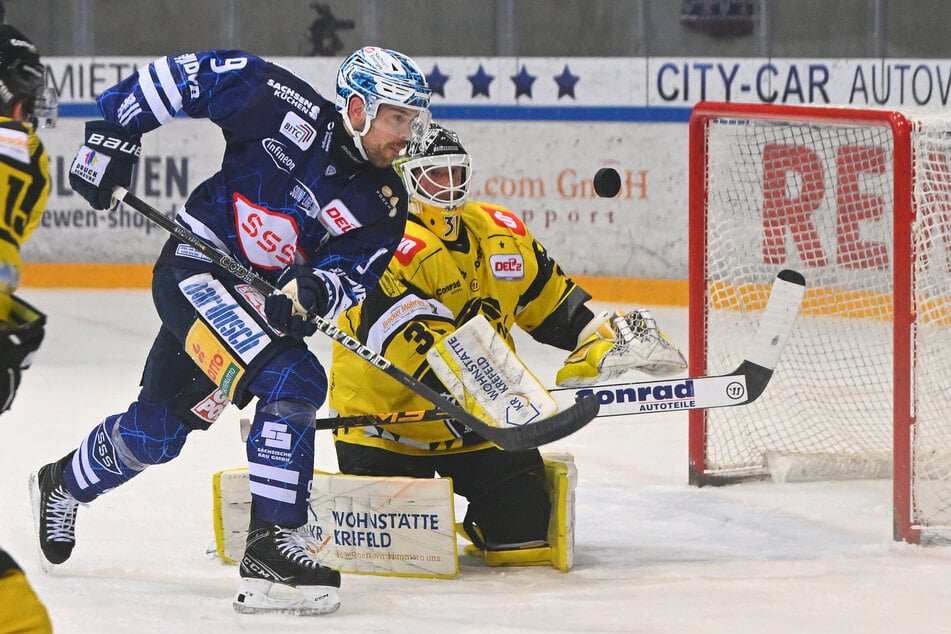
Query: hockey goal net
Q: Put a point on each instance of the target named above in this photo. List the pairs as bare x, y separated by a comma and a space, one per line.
858, 201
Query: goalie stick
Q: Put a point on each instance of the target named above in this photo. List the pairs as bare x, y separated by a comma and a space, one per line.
512, 438
744, 385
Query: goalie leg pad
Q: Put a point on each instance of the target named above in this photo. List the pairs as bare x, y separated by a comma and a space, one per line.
512, 516
561, 477
508, 506
384, 525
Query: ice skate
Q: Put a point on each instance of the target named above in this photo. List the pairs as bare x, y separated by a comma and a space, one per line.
277, 556
54, 513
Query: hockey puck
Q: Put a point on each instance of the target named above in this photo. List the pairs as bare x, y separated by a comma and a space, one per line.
607, 182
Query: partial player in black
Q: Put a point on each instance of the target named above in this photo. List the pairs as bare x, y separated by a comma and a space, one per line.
305, 198
26, 103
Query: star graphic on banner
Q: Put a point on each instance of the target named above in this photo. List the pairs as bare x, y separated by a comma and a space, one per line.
480, 82
566, 83
437, 81
523, 83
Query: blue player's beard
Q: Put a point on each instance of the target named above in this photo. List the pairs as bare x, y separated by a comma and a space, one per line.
380, 156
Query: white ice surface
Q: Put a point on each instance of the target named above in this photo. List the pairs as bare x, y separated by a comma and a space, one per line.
652, 554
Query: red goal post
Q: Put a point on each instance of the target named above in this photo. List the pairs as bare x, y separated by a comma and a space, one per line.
858, 201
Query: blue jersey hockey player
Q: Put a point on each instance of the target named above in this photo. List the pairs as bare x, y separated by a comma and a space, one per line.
306, 197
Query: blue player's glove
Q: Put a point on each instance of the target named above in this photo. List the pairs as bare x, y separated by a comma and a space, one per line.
303, 292
103, 162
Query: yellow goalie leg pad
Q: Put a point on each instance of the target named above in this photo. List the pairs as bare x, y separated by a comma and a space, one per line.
561, 478
561, 475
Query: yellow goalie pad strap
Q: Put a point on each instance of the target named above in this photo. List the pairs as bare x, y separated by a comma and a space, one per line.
392, 526
483, 373
561, 478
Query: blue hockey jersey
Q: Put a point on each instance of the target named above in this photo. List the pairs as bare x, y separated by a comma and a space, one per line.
292, 188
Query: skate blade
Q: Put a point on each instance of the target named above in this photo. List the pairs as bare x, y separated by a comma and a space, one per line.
254, 597
45, 563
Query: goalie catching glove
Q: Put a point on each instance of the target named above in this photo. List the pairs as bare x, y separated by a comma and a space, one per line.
613, 344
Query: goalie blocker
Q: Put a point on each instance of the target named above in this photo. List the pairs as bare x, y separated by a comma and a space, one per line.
394, 526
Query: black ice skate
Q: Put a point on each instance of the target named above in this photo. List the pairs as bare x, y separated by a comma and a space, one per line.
54, 513
277, 555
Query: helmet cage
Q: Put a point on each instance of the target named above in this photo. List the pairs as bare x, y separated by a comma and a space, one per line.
438, 202
45, 107
448, 193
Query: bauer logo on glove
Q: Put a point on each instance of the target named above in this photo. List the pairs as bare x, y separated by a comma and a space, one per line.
611, 345
105, 161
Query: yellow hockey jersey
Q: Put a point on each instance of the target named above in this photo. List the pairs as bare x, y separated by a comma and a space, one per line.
25, 178
495, 268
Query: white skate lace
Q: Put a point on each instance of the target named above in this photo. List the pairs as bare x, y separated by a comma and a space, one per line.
291, 543
61, 516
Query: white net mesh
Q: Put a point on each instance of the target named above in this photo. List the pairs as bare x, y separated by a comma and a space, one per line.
818, 197
931, 235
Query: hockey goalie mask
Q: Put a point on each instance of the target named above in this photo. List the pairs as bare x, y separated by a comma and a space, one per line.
437, 172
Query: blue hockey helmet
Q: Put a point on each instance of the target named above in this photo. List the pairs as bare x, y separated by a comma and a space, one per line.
381, 76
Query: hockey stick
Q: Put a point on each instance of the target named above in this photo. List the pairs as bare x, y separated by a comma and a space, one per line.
512, 438
744, 385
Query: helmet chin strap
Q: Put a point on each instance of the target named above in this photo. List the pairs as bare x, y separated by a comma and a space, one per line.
357, 136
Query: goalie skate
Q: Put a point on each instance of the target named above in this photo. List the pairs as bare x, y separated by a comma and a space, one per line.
278, 574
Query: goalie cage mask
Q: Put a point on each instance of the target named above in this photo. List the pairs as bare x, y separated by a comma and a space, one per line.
437, 173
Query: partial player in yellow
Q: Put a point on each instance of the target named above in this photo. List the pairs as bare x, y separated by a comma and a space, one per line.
21, 612
26, 103
459, 259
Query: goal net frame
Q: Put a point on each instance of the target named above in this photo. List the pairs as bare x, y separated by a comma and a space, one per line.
709, 190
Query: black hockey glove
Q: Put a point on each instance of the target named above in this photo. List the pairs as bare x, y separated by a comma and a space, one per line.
103, 162
20, 337
303, 292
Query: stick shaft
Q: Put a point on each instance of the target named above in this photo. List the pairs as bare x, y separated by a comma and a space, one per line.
512, 438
